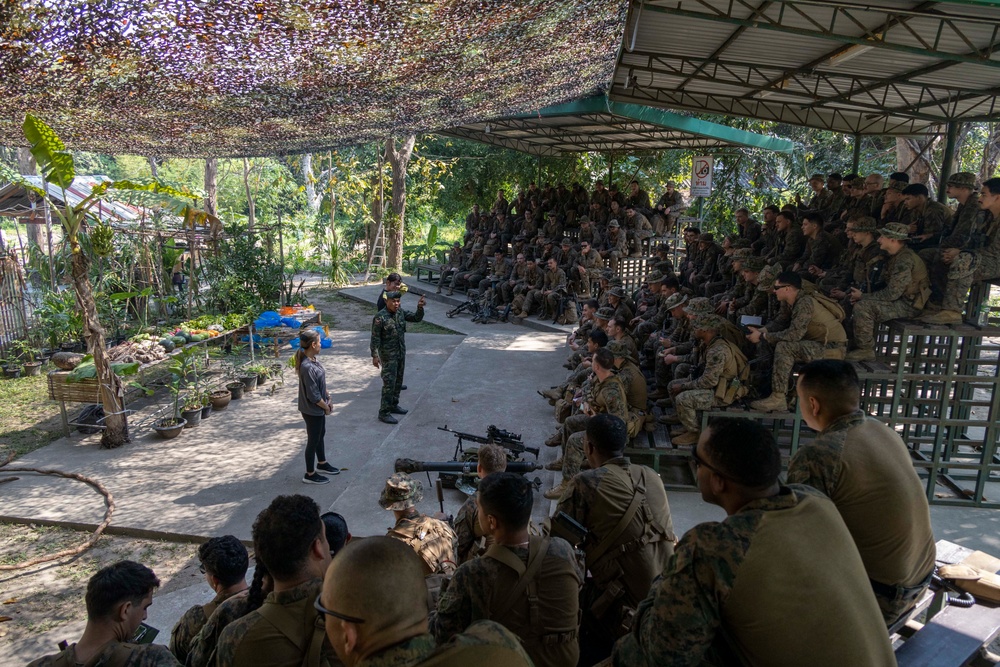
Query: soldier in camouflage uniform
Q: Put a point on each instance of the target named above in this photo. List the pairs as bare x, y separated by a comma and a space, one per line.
528, 584
981, 259
451, 267
621, 564
814, 331
607, 395
751, 301
636, 392
723, 598
790, 242
432, 539
722, 380
375, 610
906, 292
864, 467
284, 630
928, 219
388, 350
117, 599
498, 274
615, 244
956, 238
471, 538
822, 250
224, 561
529, 281
821, 199
546, 297
676, 332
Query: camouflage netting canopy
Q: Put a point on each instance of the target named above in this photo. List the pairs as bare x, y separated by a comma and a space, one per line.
205, 78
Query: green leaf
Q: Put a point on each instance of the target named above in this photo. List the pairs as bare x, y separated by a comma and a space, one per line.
432, 235
54, 161
121, 296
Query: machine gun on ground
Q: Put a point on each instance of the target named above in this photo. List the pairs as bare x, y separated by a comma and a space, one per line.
461, 475
495, 436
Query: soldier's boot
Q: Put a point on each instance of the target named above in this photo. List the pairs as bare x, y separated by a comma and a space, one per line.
556, 465
556, 492
438, 290
669, 418
665, 402
860, 354
773, 403
660, 392
554, 440
942, 317
553, 394
677, 430
686, 438
523, 314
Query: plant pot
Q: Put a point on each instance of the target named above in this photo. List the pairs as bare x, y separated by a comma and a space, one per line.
11, 372
32, 368
206, 410
168, 431
236, 389
276, 369
220, 399
72, 347
192, 417
249, 382
262, 379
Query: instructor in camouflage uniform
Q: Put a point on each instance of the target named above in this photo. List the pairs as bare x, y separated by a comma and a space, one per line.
388, 350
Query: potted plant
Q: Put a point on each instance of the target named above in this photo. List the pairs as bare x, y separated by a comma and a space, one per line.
25, 352
171, 427
11, 368
206, 404
192, 411
220, 398
261, 371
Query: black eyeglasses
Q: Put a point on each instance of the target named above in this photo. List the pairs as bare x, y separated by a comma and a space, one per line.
698, 462
778, 287
326, 612
201, 568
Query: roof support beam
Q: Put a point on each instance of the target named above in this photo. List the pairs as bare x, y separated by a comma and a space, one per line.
766, 22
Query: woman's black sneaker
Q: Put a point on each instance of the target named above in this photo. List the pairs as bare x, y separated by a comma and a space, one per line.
328, 469
315, 478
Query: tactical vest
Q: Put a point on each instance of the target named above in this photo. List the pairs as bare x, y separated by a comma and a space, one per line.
119, 657
734, 382
825, 324
547, 625
622, 565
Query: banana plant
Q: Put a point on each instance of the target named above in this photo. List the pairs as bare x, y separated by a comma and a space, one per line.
55, 163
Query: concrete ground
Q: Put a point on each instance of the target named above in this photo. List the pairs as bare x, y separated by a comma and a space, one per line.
214, 479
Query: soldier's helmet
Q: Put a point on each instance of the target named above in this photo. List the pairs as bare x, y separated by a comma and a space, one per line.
401, 492
964, 179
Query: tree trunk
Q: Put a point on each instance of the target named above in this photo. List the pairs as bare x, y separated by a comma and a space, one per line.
211, 186
26, 165
309, 177
111, 392
152, 167
398, 159
991, 153
251, 210
914, 157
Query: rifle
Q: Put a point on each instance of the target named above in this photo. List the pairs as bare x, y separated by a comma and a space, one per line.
461, 475
494, 436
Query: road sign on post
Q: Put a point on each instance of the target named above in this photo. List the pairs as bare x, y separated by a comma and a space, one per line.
701, 176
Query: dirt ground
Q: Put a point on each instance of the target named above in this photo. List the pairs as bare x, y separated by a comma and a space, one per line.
46, 596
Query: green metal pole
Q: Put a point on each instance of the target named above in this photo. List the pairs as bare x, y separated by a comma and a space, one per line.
701, 207
857, 154
538, 173
611, 167
949, 161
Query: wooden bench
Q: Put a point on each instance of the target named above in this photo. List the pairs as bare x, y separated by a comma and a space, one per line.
954, 636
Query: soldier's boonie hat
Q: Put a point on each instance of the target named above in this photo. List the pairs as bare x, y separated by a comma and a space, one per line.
456, 244
654, 277
565, 241
617, 282
665, 267
707, 237
519, 237
895, 230
857, 183
741, 243
835, 176
604, 313
898, 186
394, 295
865, 224
765, 281
742, 252
918, 189
754, 264
401, 492
709, 321
584, 218
662, 247
618, 292
477, 246
674, 300
619, 349
817, 177
699, 306
964, 179
607, 274
613, 224
551, 213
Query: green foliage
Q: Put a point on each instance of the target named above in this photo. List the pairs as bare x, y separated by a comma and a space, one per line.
244, 275
54, 161
86, 370
58, 318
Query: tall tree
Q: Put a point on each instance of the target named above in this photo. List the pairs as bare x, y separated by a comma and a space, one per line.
211, 186
251, 209
398, 158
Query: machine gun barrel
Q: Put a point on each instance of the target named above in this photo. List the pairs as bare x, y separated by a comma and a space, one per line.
496, 436
468, 467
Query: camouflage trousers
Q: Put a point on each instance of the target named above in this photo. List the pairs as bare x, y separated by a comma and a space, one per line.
532, 299
786, 353
667, 373
573, 430
869, 313
689, 402
965, 270
392, 383
448, 274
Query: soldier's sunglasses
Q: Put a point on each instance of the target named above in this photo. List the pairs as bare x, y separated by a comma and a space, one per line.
326, 612
699, 462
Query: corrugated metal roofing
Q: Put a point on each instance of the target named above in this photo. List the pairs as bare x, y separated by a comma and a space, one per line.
17, 201
879, 67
